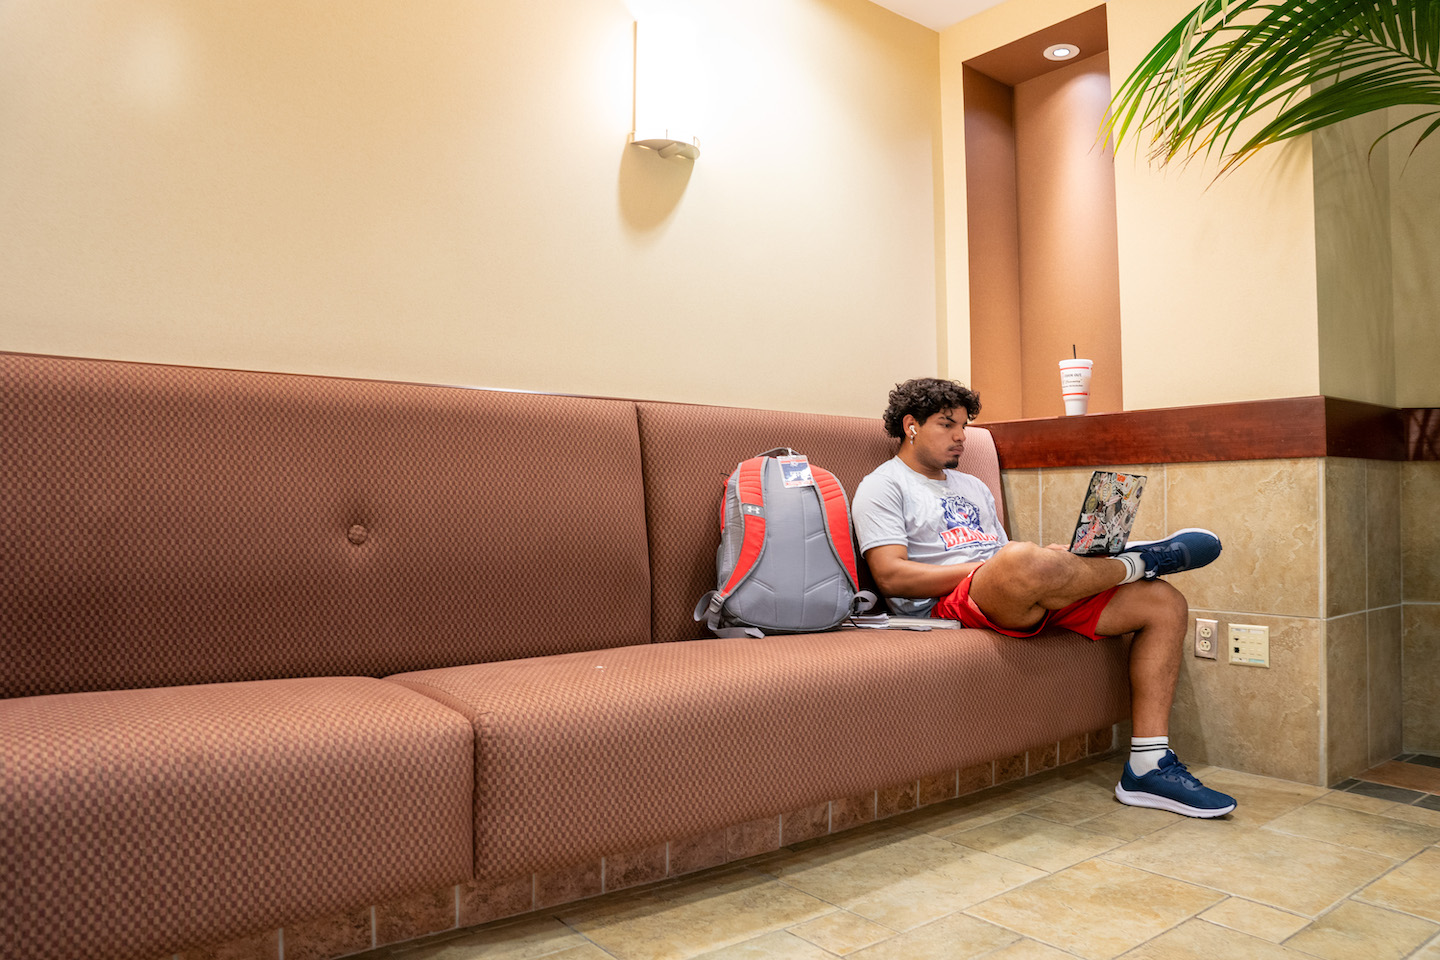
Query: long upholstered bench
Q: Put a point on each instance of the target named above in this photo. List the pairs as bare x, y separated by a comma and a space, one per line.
280, 648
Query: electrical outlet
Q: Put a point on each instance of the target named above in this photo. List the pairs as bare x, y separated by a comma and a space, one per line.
1207, 638
1249, 645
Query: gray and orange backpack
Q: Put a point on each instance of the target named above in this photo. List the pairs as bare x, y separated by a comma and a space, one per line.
786, 560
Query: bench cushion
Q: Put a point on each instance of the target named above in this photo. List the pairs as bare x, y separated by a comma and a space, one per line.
171, 525
588, 754
140, 822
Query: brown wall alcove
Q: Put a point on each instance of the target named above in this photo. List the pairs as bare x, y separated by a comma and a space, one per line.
1044, 260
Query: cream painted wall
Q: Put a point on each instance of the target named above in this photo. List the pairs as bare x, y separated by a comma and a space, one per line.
1378, 248
441, 191
1415, 258
1353, 254
1217, 279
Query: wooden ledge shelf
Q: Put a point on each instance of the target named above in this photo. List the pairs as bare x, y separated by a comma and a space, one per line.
1298, 427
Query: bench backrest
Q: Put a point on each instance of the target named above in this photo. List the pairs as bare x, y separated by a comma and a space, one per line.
165, 525
168, 525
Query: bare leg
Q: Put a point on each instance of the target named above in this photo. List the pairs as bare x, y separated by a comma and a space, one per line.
1158, 616
1023, 581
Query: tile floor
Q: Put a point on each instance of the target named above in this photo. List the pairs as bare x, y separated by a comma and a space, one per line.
1044, 869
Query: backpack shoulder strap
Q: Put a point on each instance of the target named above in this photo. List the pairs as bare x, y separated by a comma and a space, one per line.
837, 521
750, 491
836, 512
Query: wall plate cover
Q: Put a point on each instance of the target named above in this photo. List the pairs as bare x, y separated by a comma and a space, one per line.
1249, 645
1207, 638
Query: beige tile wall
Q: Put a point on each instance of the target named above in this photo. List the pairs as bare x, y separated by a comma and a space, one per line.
1421, 639
1363, 597
1347, 694
1316, 550
1420, 633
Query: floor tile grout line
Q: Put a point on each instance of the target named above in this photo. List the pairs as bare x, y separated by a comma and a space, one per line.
1396, 862
1309, 920
1176, 926
581, 934
1155, 873
1223, 894
1394, 909
1353, 899
1401, 864
839, 908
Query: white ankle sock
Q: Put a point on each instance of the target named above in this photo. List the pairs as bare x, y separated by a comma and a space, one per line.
1145, 753
1134, 566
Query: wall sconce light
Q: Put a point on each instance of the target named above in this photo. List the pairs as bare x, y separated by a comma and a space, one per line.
1061, 51
665, 88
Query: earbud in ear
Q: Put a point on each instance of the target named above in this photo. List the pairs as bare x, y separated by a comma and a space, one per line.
912, 431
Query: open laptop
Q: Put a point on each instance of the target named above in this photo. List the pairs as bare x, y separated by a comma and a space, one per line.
1107, 513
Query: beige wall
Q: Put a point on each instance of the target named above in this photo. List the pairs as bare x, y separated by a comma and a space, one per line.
1353, 250
1217, 278
1378, 249
1218, 297
441, 191
1415, 257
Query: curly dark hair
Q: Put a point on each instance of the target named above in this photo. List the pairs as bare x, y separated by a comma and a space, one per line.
924, 397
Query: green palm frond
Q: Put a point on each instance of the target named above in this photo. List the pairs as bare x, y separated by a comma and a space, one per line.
1297, 65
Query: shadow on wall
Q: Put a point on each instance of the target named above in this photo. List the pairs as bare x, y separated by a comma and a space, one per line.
650, 187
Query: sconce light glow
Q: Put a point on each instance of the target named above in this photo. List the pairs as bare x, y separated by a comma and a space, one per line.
666, 87
1062, 51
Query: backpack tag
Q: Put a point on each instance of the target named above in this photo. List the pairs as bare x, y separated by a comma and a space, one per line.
796, 471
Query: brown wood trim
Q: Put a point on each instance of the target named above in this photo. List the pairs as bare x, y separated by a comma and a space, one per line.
1364, 430
1255, 430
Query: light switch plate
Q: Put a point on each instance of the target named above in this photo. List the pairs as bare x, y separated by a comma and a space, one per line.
1249, 645
1207, 638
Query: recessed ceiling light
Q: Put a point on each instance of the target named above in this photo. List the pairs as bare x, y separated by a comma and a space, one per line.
1062, 51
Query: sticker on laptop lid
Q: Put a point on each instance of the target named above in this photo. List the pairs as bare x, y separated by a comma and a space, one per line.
796, 471
1107, 513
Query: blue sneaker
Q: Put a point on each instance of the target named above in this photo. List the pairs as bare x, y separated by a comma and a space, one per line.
1172, 788
1187, 549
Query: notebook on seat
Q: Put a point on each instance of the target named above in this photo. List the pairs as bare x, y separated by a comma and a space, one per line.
1107, 513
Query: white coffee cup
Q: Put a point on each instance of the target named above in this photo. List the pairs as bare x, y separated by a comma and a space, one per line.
1075, 385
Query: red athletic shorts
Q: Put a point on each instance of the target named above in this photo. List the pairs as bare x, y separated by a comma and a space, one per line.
1081, 616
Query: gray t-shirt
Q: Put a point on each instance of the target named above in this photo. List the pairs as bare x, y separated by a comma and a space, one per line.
938, 521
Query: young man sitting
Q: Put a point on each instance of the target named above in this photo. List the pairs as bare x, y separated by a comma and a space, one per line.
934, 543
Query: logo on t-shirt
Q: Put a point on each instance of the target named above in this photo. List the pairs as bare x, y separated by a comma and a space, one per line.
962, 522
